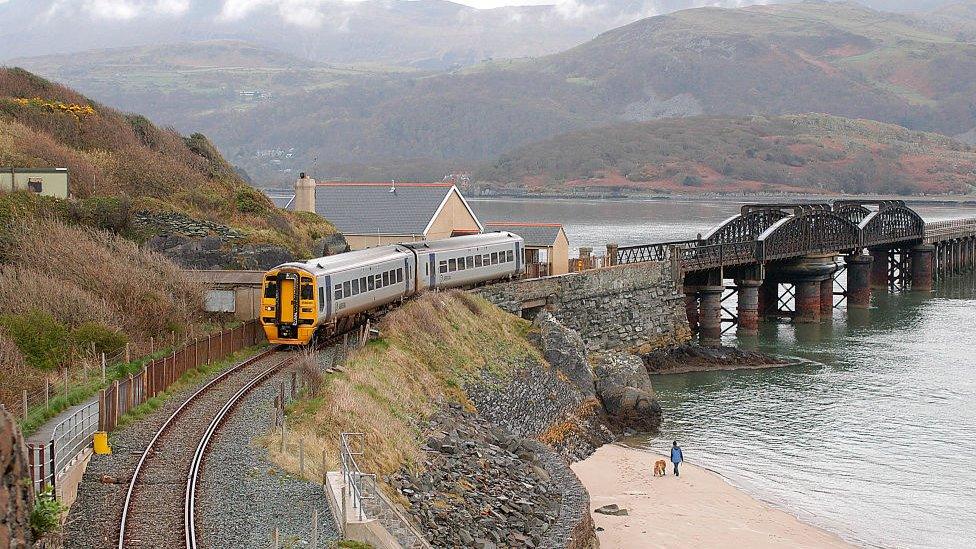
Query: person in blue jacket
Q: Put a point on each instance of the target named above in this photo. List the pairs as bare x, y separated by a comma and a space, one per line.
676, 456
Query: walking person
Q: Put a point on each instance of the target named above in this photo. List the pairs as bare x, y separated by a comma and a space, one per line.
676, 456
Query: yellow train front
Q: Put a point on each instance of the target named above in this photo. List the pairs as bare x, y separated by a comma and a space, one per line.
288, 307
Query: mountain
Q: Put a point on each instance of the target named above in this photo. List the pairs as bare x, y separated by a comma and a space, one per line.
797, 153
425, 34
836, 58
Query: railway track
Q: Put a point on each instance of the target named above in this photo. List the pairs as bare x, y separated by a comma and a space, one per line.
158, 510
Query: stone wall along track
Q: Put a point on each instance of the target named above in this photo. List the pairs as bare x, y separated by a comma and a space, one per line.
154, 513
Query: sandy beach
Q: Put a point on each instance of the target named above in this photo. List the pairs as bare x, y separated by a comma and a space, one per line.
697, 509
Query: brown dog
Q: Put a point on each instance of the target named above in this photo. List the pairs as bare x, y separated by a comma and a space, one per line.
660, 466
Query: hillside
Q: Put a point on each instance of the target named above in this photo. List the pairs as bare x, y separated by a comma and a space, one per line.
836, 58
137, 165
806, 153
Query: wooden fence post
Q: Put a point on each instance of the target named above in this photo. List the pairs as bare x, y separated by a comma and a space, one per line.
103, 367
115, 409
101, 410
25, 404
314, 541
152, 345
209, 338
128, 355
130, 394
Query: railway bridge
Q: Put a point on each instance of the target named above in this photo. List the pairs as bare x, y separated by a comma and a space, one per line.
802, 260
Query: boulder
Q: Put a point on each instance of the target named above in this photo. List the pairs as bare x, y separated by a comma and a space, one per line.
563, 349
329, 245
16, 497
624, 388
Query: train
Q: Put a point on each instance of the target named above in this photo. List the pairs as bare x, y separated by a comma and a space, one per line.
302, 301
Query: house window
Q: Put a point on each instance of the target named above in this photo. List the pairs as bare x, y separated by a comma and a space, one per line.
35, 184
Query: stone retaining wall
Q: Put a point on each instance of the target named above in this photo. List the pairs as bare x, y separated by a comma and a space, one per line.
627, 307
15, 486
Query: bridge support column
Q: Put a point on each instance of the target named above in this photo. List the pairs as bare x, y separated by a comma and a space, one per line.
612, 254
827, 298
922, 267
748, 307
710, 319
807, 300
879, 268
768, 298
858, 281
691, 307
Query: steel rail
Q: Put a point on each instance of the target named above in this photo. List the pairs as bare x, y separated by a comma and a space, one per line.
142, 459
189, 518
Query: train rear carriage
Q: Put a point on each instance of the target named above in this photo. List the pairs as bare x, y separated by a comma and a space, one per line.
301, 298
468, 260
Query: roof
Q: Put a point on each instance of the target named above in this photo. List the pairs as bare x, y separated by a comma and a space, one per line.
8, 169
459, 242
283, 201
372, 208
534, 234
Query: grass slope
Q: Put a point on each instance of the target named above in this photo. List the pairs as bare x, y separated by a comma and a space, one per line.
428, 350
110, 154
779, 154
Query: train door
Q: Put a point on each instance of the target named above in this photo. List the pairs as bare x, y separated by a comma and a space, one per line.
432, 268
287, 313
519, 260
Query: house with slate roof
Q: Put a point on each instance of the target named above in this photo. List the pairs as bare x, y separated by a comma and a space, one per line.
546, 246
376, 214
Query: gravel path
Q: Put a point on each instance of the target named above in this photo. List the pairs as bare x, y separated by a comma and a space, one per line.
243, 497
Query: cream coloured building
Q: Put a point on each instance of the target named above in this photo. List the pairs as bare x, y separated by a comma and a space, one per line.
375, 214
43, 181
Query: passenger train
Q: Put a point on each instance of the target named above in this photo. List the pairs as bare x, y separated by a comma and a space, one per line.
328, 294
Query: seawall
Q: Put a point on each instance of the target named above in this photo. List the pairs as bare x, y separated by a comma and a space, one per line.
635, 307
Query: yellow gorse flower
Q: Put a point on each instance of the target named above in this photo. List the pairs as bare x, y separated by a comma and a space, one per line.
74, 109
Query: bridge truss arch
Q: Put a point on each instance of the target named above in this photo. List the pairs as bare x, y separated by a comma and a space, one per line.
891, 225
810, 231
745, 226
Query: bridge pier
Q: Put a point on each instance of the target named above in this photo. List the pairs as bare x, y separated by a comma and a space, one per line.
710, 317
768, 298
879, 268
807, 300
748, 307
859, 281
691, 307
922, 259
827, 298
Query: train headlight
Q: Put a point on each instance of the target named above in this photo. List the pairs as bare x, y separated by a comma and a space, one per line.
269, 308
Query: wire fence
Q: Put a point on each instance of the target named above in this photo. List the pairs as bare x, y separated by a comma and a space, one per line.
72, 437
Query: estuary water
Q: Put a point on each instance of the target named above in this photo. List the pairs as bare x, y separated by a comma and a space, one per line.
871, 435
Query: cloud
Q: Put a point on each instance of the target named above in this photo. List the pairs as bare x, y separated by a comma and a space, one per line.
303, 13
117, 10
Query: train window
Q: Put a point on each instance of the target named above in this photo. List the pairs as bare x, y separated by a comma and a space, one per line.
452, 265
477, 261
511, 256
321, 299
461, 265
494, 258
355, 286
347, 289
443, 267
379, 282
271, 289
338, 292
386, 278
362, 284
399, 273
370, 283
486, 259
470, 262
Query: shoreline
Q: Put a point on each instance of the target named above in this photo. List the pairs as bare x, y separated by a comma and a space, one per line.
698, 509
720, 368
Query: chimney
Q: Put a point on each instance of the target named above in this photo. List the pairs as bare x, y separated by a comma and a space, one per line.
305, 194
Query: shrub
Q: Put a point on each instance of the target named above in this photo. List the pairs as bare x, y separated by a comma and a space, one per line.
103, 212
45, 517
42, 339
92, 335
689, 180
251, 201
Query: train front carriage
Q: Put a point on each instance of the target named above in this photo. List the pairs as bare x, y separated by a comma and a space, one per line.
288, 307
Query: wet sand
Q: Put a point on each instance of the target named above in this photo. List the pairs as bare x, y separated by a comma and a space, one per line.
697, 509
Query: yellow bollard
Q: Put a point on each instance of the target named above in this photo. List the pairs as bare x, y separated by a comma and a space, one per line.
101, 443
